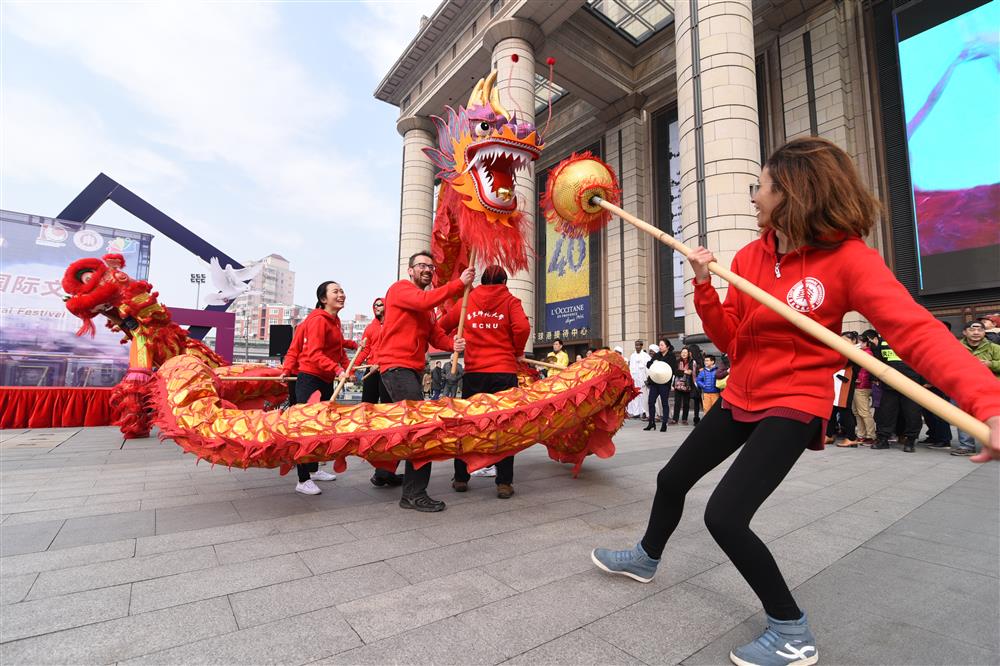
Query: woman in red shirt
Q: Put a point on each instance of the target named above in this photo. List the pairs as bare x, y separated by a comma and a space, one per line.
813, 212
317, 357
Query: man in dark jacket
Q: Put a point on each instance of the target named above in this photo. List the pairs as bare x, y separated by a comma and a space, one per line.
437, 381
893, 403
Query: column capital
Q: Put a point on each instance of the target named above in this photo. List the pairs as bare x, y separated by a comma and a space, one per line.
513, 27
404, 125
621, 106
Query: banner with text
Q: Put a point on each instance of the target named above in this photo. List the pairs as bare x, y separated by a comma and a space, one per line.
567, 282
39, 346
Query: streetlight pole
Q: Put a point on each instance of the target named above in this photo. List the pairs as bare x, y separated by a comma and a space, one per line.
197, 279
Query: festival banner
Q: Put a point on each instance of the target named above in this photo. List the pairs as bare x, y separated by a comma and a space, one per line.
38, 346
567, 282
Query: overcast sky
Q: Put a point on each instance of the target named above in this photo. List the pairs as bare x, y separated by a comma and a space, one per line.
253, 124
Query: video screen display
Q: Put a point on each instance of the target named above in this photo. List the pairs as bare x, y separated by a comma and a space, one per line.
949, 63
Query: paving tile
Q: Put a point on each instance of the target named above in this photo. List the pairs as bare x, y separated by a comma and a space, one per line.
277, 506
670, 625
295, 640
101, 529
814, 546
354, 553
20, 539
280, 544
33, 618
197, 585
912, 526
948, 555
126, 637
80, 511
577, 647
106, 574
66, 557
274, 602
382, 615
15, 588
535, 617
163, 543
725, 580
447, 641
196, 516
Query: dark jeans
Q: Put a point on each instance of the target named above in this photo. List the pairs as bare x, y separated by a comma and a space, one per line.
374, 393
682, 400
661, 391
938, 430
450, 390
405, 384
770, 449
488, 382
305, 386
894, 405
845, 416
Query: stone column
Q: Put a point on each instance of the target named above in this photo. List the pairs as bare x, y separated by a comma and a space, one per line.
519, 37
628, 257
731, 153
416, 210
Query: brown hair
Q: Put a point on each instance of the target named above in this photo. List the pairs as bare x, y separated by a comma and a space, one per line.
824, 199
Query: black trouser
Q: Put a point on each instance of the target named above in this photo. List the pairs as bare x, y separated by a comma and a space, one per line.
373, 392
305, 386
771, 448
681, 398
696, 403
488, 382
938, 430
895, 405
661, 391
405, 384
845, 416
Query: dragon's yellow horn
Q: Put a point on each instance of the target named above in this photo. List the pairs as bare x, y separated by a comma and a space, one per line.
477, 95
495, 103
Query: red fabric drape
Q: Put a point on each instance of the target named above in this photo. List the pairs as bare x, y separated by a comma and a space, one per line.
54, 407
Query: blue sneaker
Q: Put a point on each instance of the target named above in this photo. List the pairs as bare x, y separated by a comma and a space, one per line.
783, 643
634, 563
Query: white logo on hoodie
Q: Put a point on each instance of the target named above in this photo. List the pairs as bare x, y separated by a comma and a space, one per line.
806, 295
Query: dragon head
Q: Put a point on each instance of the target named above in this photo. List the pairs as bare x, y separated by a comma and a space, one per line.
95, 286
481, 147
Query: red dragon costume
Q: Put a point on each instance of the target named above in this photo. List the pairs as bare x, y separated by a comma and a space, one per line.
573, 412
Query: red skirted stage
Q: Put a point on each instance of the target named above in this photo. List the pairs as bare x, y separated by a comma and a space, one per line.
54, 407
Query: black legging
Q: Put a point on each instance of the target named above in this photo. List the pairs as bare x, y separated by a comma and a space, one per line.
682, 399
305, 386
772, 447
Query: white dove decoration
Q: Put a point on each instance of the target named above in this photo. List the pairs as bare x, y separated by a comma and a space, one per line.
230, 282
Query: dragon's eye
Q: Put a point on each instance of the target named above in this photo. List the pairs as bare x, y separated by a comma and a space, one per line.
483, 128
84, 276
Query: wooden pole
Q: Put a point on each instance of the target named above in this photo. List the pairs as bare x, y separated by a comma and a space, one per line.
542, 364
461, 318
878, 369
258, 379
347, 373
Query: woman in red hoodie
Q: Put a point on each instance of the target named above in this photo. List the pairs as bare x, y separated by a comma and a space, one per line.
496, 330
317, 356
813, 212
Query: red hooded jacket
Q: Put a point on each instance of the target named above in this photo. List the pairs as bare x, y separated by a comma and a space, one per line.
496, 329
409, 324
371, 335
318, 347
774, 364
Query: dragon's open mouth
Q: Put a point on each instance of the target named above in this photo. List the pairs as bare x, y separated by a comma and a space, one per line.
494, 164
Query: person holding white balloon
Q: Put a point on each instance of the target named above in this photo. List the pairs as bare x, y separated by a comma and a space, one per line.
660, 369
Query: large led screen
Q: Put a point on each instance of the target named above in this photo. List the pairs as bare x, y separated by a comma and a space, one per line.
949, 63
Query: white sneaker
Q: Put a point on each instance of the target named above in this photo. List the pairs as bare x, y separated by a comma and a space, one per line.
486, 471
308, 488
323, 475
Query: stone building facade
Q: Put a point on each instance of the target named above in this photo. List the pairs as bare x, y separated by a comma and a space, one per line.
684, 99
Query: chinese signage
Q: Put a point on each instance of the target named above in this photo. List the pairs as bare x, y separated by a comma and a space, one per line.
39, 346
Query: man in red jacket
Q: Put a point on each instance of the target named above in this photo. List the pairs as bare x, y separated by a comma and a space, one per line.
317, 356
496, 330
372, 390
407, 329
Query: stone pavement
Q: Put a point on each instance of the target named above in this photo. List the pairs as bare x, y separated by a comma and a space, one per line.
131, 553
